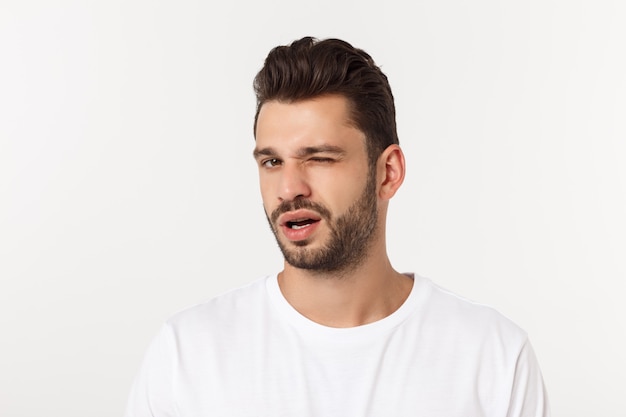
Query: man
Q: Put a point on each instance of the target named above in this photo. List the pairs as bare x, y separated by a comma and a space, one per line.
338, 332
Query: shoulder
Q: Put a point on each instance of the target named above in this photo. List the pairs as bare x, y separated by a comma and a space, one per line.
224, 308
445, 312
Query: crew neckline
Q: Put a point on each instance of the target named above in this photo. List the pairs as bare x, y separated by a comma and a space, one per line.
310, 328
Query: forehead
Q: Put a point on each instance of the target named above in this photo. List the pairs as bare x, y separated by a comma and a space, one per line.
322, 120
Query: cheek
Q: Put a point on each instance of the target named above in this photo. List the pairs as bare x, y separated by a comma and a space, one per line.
268, 203
340, 195
266, 196
265, 184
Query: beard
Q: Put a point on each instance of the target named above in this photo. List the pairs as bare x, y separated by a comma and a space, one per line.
351, 233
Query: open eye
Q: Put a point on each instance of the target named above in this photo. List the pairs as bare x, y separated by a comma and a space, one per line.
271, 162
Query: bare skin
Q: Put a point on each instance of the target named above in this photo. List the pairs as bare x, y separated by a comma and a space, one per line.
309, 149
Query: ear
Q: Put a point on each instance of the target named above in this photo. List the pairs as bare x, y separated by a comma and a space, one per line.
391, 170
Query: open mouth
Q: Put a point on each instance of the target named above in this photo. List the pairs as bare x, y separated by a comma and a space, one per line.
300, 223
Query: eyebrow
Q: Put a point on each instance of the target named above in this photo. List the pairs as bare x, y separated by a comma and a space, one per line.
302, 152
263, 152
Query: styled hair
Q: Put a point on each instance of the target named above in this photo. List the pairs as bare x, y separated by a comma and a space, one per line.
310, 68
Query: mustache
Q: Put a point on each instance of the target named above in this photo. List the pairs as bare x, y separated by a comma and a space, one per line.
297, 204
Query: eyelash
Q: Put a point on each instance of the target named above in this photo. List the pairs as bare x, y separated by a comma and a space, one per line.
322, 159
274, 162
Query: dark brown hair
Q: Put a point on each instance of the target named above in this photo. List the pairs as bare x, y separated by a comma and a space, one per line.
310, 68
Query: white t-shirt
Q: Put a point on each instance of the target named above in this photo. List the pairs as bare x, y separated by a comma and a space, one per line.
248, 352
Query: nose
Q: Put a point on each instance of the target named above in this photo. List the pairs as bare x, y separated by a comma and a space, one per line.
293, 183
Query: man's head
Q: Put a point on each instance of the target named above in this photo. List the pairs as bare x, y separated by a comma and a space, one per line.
310, 68
327, 152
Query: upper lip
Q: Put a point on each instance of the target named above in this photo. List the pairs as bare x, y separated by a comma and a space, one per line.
298, 215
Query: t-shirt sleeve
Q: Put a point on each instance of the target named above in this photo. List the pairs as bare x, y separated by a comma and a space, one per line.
528, 396
152, 392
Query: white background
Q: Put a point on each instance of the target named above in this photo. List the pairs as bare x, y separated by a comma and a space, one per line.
128, 190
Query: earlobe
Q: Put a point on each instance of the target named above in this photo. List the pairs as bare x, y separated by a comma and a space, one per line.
391, 167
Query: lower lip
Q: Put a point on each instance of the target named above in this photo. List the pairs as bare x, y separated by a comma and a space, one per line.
299, 234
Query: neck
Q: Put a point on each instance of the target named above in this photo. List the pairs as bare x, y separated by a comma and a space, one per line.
364, 294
